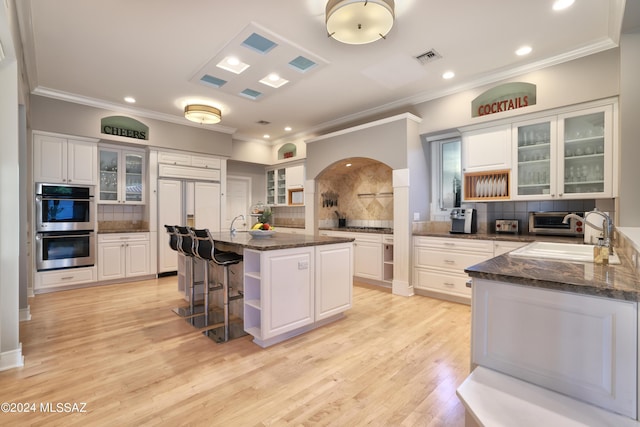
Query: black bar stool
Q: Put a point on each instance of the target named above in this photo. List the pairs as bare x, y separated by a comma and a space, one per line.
207, 251
202, 248
185, 245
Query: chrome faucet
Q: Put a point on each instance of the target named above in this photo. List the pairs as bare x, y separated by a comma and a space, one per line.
607, 225
231, 229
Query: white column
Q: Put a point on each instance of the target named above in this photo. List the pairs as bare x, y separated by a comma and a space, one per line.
402, 230
10, 239
310, 207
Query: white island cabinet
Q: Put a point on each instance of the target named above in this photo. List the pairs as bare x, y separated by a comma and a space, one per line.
291, 291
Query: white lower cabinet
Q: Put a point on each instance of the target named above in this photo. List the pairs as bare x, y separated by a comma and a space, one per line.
47, 281
372, 254
122, 255
439, 264
334, 278
288, 291
578, 345
368, 256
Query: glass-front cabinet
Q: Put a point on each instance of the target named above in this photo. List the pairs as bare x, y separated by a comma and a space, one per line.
587, 153
277, 187
534, 160
568, 156
121, 176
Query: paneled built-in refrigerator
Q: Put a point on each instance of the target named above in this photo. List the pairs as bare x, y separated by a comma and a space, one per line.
184, 202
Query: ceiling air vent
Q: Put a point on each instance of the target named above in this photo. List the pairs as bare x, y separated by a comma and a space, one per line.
263, 122
429, 56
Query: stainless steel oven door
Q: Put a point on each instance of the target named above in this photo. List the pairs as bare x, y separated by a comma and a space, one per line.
65, 250
64, 208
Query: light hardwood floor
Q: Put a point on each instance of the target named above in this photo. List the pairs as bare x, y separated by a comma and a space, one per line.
392, 361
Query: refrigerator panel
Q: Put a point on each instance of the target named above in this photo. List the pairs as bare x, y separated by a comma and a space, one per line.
170, 212
207, 205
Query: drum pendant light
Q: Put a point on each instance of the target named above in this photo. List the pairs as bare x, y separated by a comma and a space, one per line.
359, 21
203, 114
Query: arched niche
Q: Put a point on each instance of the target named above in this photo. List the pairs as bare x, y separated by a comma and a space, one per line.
287, 151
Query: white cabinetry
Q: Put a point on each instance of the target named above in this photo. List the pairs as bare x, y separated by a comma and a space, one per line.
372, 258
58, 159
122, 176
279, 294
46, 281
280, 180
173, 164
569, 156
486, 149
439, 264
368, 256
291, 291
578, 345
334, 278
122, 255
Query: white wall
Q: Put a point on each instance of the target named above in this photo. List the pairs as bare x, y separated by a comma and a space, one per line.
53, 115
582, 80
629, 203
10, 350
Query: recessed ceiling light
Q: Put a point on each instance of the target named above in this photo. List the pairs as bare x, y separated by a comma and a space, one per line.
448, 75
266, 136
274, 81
288, 128
129, 99
562, 4
232, 64
524, 50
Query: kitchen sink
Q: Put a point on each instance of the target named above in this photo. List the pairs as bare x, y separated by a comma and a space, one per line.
560, 251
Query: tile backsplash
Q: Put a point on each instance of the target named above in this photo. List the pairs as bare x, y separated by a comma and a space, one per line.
118, 217
364, 197
283, 216
488, 213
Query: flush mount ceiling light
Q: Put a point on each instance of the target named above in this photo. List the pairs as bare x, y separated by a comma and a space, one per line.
203, 114
359, 21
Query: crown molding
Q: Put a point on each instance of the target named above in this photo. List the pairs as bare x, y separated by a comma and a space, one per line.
112, 106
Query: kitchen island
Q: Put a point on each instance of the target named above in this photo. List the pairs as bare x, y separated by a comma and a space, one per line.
292, 283
566, 326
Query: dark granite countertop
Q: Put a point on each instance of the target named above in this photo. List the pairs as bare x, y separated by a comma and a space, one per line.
379, 230
276, 241
610, 281
505, 237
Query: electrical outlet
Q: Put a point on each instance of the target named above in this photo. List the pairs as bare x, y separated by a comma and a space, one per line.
416, 216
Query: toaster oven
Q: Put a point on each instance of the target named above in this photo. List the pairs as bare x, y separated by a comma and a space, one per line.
551, 223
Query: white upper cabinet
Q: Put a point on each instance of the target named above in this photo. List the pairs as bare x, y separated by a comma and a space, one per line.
295, 176
280, 180
487, 149
568, 156
122, 176
64, 160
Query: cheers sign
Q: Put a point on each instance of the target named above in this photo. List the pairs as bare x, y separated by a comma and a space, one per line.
509, 96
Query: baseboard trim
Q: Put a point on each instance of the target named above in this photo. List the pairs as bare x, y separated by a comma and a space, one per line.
25, 314
12, 359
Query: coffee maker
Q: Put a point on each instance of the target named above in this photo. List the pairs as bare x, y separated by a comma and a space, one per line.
463, 221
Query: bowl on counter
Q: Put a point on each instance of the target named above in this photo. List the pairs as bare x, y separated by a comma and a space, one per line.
262, 233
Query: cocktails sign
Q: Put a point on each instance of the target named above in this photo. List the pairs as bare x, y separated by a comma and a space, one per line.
509, 96
124, 126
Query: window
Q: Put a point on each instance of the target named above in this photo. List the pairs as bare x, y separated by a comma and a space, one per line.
447, 176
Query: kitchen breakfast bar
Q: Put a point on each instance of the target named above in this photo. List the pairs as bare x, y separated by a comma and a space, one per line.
292, 283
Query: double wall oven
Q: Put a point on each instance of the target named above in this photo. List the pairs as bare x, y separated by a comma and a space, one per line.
65, 226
